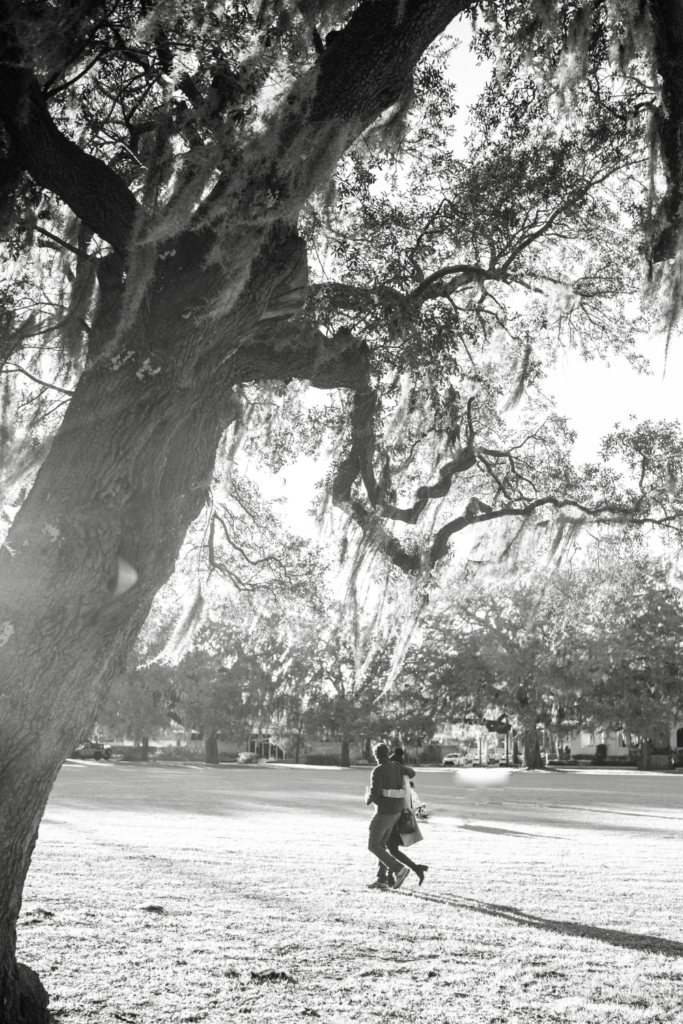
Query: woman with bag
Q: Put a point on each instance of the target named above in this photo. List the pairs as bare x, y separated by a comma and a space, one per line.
406, 832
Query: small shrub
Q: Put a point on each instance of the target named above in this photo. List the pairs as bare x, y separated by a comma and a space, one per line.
332, 760
248, 758
600, 754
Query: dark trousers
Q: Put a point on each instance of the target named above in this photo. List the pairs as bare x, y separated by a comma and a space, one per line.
381, 828
395, 850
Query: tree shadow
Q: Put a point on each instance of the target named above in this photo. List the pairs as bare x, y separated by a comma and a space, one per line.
504, 832
612, 936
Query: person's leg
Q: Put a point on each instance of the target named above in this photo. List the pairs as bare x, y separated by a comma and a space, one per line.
381, 826
403, 857
382, 874
395, 851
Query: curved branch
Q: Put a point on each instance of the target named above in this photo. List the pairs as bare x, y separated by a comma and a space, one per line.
93, 190
359, 463
468, 275
255, 562
476, 512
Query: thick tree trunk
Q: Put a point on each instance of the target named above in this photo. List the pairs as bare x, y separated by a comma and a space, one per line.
68, 611
345, 756
144, 749
96, 538
23, 1000
211, 747
532, 752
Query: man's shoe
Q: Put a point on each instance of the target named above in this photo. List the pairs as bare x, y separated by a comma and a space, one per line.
401, 877
390, 880
378, 885
420, 872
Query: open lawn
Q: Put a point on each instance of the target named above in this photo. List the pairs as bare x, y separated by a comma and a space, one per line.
159, 893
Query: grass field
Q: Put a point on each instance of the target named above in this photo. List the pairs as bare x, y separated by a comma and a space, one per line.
182, 893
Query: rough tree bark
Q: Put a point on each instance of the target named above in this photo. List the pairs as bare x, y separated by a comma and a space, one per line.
667, 23
133, 460
345, 754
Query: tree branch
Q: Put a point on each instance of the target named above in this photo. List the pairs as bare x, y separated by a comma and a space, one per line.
359, 463
65, 245
94, 192
43, 383
364, 72
476, 512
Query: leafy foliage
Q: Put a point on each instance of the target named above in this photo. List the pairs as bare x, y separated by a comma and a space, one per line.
596, 643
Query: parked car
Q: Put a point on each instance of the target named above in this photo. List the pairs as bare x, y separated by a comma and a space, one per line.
453, 761
92, 749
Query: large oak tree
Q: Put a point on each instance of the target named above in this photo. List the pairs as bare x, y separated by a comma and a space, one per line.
169, 149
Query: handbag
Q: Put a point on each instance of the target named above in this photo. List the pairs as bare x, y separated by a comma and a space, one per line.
410, 838
407, 823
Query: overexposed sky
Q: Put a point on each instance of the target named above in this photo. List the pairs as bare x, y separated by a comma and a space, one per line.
595, 395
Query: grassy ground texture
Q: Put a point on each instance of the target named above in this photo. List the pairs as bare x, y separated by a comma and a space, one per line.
181, 893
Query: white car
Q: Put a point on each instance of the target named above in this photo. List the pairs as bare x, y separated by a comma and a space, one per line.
453, 761
98, 751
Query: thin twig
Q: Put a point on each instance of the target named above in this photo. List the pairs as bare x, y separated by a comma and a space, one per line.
20, 369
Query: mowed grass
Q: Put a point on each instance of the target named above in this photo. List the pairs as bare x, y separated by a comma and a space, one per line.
158, 894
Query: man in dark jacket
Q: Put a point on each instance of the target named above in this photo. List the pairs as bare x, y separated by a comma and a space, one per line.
386, 792
394, 843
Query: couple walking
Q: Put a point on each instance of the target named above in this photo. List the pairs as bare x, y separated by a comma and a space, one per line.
387, 792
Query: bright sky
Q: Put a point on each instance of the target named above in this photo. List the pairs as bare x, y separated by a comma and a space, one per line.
595, 395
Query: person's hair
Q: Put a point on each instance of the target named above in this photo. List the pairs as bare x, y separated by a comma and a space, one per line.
380, 750
398, 755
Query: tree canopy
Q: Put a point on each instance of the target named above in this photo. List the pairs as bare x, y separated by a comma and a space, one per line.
593, 643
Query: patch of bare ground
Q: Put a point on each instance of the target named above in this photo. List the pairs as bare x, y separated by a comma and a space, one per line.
177, 895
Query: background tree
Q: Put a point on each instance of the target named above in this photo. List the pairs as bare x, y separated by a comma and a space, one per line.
139, 703
592, 644
491, 657
213, 697
635, 644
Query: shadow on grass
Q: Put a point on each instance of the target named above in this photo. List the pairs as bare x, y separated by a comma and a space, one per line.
503, 832
628, 940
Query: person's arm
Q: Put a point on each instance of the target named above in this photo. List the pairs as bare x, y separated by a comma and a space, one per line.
408, 771
375, 786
